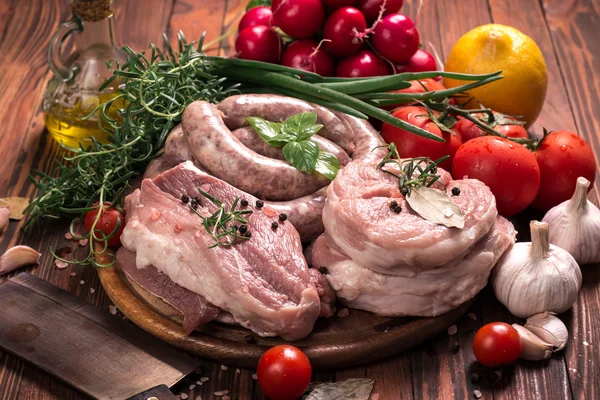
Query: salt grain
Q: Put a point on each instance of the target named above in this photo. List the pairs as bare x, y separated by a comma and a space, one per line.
60, 264
224, 367
254, 376
472, 316
375, 396
68, 236
73, 273
221, 393
183, 396
112, 309
225, 397
452, 330
343, 313
237, 371
192, 387
477, 394
204, 379
586, 344
81, 282
92, 290
83, 242
198, 398
198, 383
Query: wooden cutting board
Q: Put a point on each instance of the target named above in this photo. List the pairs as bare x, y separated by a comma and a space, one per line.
335, 342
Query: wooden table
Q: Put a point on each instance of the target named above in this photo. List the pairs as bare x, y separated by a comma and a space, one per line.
567, 31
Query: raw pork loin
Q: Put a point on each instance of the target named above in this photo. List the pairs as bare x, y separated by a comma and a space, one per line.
263, 282
397, 264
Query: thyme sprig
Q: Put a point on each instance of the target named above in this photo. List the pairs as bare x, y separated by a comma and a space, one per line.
221, 224
411, 172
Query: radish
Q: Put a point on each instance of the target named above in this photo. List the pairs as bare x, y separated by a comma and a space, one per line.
365, 63
344, 30
256, 16
309, 56
396, 38
371, 8
421, 61
333, 4
300, 19
259, 43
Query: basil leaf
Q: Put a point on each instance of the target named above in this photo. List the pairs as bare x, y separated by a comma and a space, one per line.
302, 126
257, 3
269, 131
302, 155
327, 164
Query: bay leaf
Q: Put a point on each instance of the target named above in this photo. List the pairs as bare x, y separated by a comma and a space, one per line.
350, 389
16, 205
435, 206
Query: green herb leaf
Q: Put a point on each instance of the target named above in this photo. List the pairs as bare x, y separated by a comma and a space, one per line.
267, 130
327, 164
257, 3
302, 155
302, 126
436, 206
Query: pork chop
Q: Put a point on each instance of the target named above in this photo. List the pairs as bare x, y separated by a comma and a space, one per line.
429, 293
358, 218
263, 282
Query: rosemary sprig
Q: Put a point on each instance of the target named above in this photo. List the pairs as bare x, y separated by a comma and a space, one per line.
412, 172
221, 224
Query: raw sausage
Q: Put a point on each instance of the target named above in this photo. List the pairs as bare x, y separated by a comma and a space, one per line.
214, 147
176, 148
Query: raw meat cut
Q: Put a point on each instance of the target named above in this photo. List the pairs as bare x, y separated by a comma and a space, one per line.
358, 218
427, 293
263, 282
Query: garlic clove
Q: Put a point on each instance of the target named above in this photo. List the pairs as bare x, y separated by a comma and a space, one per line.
535, 277
4, 218
17, 257
549, 328
532, 347
575, 225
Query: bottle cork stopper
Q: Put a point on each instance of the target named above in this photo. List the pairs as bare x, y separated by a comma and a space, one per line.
92, 10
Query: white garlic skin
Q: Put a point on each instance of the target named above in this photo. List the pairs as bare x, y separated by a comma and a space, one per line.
17, 257
532, 347
549, 328
575, 225
533, 277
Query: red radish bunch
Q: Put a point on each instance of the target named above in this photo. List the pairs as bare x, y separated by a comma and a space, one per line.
344, 38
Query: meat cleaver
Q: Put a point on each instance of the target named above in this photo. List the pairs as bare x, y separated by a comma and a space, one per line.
93, 351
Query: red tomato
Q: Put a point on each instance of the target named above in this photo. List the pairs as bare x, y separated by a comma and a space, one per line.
496, 344
563, 157
106, 224
419, 86
284, 372
507, 168
410, 145
468, 130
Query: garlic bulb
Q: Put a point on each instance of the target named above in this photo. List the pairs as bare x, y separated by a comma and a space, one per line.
575, 225
549, 328
532, 347
536, 276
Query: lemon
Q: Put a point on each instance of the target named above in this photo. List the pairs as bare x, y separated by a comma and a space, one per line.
494, 47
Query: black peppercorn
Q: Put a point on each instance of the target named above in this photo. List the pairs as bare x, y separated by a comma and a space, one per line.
244, 203
243, 229
433, 169
455, 191
404, 192
323, 270
282, 217
274, 225
393, 204
397, 209
185, 198
248, 234
259, 203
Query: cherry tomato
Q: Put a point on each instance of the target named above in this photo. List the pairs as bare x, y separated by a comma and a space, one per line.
468, 130
563, 157
410, 145
106, 224
284, 372
507, 168
496, 344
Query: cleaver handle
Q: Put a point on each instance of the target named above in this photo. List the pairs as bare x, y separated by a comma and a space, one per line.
160, 392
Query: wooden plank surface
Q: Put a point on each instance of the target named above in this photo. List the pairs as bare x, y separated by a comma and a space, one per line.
567, 33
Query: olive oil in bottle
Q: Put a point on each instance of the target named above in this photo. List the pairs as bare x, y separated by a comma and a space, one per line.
72, 94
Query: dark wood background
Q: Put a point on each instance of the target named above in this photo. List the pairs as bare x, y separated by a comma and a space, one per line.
567, 31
